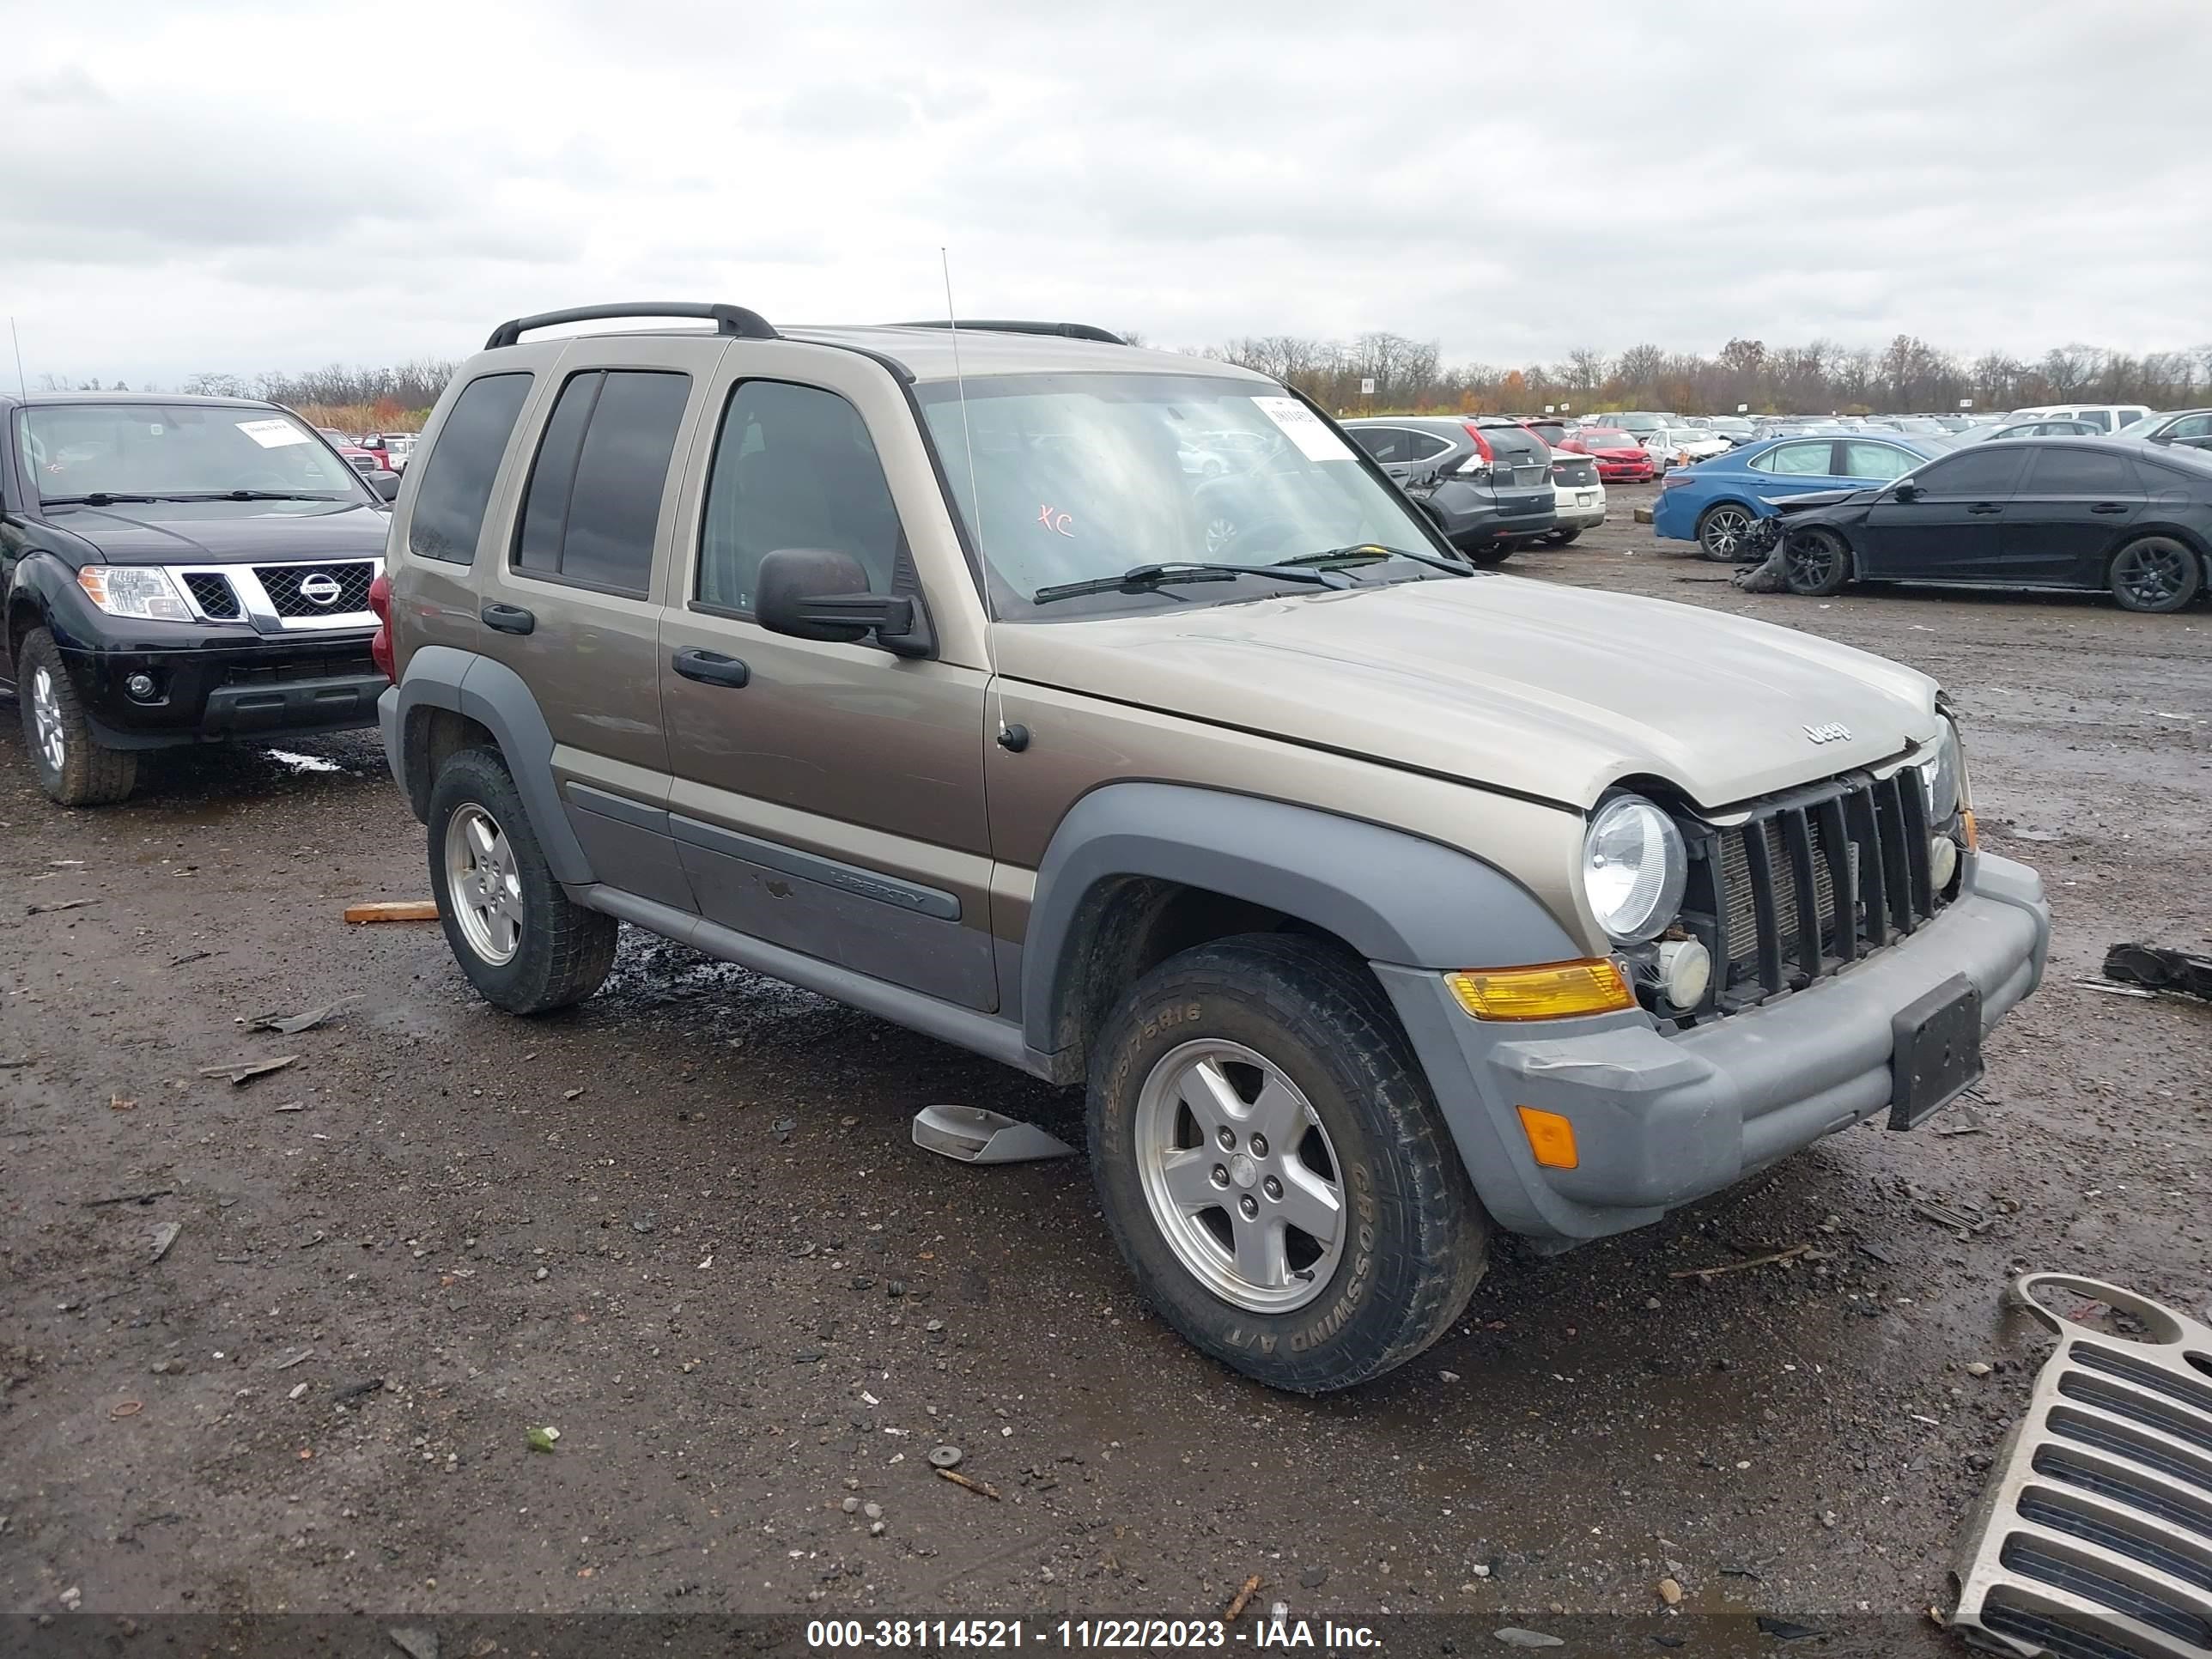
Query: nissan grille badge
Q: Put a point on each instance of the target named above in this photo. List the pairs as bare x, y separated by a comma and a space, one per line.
322, 588
1833, 732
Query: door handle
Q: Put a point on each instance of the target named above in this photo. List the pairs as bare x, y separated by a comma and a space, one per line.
2109, 507
1984, 507
710, 668
508, 618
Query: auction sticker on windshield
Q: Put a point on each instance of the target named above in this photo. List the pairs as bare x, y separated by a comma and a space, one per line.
272, 435
1304, 429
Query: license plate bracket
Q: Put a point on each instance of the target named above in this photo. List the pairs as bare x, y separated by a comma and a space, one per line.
1936, 1053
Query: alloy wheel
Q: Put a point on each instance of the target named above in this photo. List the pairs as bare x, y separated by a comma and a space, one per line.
1723, 530
1812, 560
1240, 1176
2153, 575
485, 885
47, 716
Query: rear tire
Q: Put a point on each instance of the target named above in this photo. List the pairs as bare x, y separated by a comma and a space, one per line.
521, 941
1721, 531
1278, 1033
1816, 562
2156, 573
73, 767
1564, 538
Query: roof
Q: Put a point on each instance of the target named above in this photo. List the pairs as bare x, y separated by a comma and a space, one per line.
927, 353
170, 399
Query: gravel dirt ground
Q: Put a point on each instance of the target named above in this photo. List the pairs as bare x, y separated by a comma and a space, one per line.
683, 1225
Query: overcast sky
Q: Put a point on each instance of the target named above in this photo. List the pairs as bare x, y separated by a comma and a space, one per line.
240, 187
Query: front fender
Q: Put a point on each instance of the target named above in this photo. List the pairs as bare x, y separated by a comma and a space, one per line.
1394, 897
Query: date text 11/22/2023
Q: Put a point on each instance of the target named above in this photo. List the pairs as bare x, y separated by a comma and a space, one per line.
1141, 1634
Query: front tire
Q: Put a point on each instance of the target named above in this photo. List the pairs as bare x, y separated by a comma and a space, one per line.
2155, 574
1816, 562
1490, 553
72, 766
523, 943
1274, 1169
1721, 533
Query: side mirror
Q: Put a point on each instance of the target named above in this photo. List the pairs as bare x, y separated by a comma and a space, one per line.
1907, 492
386, 484
820, 593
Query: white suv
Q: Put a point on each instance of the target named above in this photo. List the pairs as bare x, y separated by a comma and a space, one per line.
2110, 418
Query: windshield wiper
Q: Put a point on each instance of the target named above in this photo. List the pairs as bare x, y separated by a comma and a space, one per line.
1144, 576
1375, 553
97, 498
247, 495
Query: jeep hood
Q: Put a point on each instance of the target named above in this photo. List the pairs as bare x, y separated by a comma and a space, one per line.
1553, 692
224, 532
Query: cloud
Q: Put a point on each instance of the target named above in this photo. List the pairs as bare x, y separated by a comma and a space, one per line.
254, 186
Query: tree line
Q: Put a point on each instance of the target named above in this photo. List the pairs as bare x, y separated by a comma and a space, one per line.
1821, 377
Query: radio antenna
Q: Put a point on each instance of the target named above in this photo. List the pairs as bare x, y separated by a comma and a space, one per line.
22, 385
960, 382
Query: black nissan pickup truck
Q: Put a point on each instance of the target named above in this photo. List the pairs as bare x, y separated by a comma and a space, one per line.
178, 570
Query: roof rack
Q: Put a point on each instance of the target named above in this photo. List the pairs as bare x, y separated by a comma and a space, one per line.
1064, 331
733, 320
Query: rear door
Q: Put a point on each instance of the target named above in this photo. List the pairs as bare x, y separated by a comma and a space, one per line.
2071, 510
828, 797
1949, 531
572, 603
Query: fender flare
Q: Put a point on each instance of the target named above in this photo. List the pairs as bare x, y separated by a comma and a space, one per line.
1392, 896
495, 698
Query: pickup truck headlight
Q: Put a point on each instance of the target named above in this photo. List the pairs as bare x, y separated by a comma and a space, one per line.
1634, 867
144, 592
1940, 775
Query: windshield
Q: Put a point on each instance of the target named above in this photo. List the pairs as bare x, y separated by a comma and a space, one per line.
1599, 437
1086, 475
176, 449
1638, 424
2143, 427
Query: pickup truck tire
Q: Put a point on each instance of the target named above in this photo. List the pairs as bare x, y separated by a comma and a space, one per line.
71, 765
522, 943
1202, 1059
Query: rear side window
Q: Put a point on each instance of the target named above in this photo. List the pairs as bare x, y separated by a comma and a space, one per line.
2082, 472
793, 467
456, 485
595, 496
1421, 446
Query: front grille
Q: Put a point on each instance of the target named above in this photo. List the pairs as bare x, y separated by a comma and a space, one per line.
213, 593
284, 583
318, 666
1809, 882
363, 463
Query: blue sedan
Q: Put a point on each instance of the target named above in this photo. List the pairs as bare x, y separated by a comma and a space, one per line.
1714, 502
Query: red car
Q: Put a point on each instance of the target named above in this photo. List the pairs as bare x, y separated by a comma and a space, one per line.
1619, 457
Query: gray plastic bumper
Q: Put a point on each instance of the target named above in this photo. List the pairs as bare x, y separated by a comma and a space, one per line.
1662, 1120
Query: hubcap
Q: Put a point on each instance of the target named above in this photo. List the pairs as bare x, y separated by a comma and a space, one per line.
2152, 573
47, 716
1240, 1176
485, 886
1724, 529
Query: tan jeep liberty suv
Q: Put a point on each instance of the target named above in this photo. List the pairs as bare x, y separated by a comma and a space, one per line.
1380, 903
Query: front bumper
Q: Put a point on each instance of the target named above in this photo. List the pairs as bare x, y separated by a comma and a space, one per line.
325, 684
1662, 1119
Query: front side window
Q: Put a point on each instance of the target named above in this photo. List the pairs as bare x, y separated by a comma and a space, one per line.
1799, 460
1878, 463
593, 500
79, 453
2192, 425
1977, 472
793, 467
1076, 477
1387, 444
456, 484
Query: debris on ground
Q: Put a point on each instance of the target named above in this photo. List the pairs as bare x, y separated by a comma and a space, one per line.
127, 1408
541, 1440
121, 1104
367, 1385
1782, 1630
1514, 1636
190, 956
982, 1489
402, 910
241, 1071
414, 1643
971, 1134
65, 904
129, 1198
1238, 1601
1670, 1592
945, 1457
293, 1024
164, 1237
1789, 1254
2157, 970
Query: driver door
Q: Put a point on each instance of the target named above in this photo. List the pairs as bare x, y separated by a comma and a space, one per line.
1950, 531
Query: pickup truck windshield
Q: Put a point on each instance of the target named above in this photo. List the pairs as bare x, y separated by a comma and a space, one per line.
155, 450
1082, 477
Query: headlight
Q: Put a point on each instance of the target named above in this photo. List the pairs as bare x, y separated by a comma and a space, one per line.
1634, 868
133, 590
1940, 774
